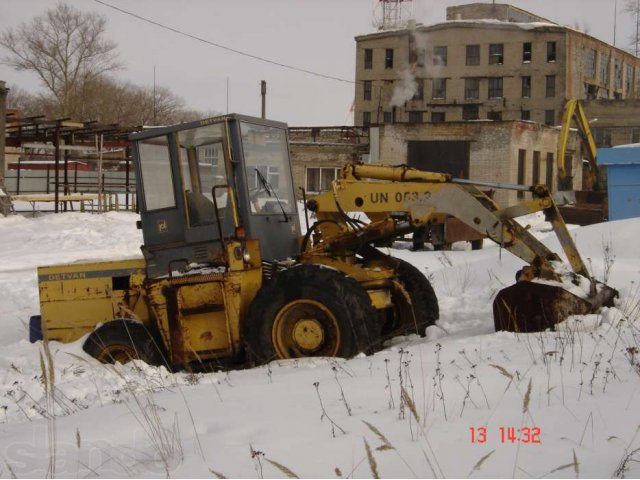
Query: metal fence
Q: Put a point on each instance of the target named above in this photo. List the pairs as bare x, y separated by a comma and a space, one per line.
118, 189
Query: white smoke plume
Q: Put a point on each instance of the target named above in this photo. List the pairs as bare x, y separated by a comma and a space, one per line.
404, 89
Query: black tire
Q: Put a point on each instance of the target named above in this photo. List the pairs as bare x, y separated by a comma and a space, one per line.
122, 341
309, 311
423, 309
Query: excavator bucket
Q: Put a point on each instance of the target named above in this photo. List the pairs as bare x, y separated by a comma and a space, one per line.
532, 307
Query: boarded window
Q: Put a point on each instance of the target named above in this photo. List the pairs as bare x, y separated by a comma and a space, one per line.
535, 172
522, 165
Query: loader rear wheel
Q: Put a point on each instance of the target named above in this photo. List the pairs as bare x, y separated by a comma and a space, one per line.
122, 341
310, 311
415, 313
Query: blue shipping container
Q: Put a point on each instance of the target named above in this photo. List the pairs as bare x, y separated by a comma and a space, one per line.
623, 171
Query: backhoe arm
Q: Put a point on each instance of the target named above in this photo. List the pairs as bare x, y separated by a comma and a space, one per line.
400, 200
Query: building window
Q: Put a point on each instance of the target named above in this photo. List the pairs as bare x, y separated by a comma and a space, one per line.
471, 88
526, 87
628, 83
617, 74
388, 58
368, 58
473, 55
551, 51
440, 56
590, 63
366, 119
602, 137
525, 115
551, 86
387, 117
535, 174
496, 54
526, 52
522, 165
635, 135
419, 93
208, 155
437, 117
367, 89
495, 87
549, 171
439, 88
470, 112
415, 117
604, 68
495, 116
319, 179
549, 117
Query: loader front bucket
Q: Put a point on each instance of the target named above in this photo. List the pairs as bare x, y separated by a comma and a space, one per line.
533, 307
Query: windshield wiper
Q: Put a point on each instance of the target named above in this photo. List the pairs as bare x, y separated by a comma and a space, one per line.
269, 189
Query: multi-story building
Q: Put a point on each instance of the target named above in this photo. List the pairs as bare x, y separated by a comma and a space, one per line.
486, 61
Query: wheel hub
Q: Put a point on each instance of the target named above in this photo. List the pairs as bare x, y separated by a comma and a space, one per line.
308, 334
305, 327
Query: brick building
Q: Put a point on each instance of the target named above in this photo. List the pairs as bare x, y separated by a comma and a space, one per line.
512, 152
319, 153
486, 61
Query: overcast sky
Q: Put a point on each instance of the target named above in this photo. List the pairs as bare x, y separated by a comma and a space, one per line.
316, 35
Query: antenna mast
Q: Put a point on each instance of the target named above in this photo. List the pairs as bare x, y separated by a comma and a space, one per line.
392, 14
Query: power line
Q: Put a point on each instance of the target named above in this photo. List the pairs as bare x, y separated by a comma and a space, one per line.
223, 47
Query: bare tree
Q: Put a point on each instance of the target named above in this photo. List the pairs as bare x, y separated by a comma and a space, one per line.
633, 7
29, 104
109, 101
65, 48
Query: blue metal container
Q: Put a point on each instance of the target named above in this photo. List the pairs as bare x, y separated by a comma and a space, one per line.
623, 171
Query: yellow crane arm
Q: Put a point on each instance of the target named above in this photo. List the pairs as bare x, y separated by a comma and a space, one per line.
575, 111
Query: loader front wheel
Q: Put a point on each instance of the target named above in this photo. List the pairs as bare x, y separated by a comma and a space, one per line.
122, 341
416, 304
310, 311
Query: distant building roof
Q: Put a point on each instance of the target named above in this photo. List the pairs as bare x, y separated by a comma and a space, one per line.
496, 11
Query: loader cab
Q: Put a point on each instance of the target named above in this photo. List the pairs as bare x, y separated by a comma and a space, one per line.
203, 183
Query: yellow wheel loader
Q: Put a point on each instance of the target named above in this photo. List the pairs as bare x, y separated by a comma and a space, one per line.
227, 275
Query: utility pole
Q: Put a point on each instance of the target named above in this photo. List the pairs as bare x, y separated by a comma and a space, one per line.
3, 114
154, 95
615, 20
263, 93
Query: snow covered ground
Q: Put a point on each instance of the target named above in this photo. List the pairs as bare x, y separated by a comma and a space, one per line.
570, 396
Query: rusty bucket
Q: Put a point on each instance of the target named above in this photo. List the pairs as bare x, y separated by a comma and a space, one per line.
529, 306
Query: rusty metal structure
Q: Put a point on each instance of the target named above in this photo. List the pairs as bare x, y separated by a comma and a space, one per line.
63, 136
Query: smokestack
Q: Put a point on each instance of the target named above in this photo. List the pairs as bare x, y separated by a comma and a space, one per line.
263, 93
3, 115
